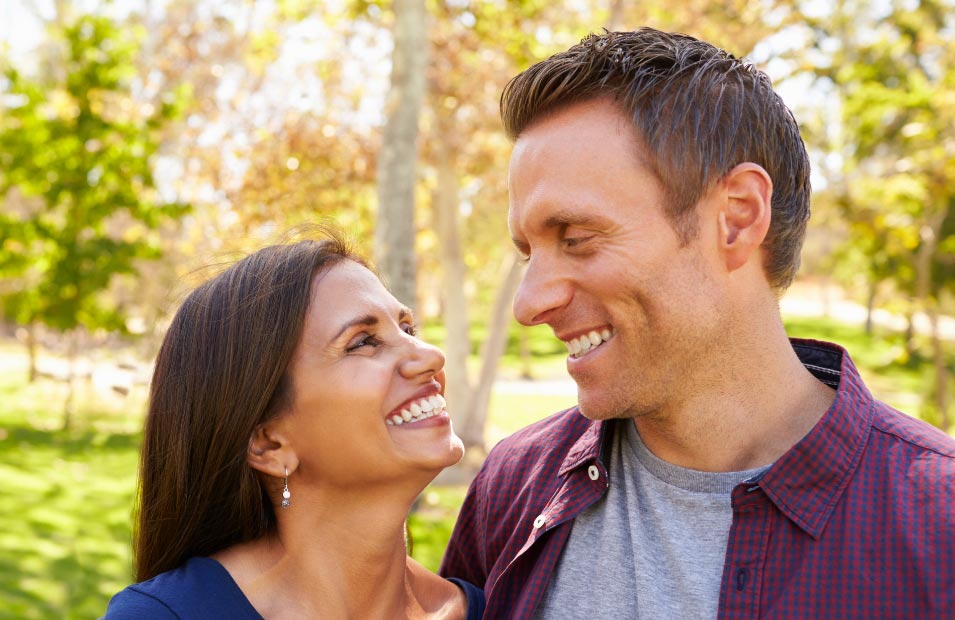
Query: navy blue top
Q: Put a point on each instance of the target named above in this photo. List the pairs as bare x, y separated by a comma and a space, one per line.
202, 589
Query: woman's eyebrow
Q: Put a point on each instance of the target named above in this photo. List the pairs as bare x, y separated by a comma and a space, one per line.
368, 320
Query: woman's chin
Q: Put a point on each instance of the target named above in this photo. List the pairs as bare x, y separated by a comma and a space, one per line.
450, 457
430, 465
431, 448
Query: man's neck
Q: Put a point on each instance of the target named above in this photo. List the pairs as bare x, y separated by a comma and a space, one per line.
745, 412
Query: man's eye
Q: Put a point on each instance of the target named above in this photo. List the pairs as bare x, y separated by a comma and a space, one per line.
575, 241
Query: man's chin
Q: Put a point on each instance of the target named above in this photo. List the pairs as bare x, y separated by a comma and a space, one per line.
597, 410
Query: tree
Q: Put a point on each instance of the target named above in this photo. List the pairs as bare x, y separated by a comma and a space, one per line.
475, 48
395, 230
891, 67
76, 146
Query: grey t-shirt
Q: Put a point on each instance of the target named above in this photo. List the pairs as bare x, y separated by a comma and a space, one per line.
653, 547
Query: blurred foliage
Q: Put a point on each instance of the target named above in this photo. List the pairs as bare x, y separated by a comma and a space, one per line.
891, 67
262, 116
266, 116
75, 152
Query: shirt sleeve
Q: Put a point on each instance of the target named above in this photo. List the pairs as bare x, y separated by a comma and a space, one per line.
474, 596
131, 604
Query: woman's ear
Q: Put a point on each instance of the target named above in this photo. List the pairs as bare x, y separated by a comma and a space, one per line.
746, 213
270, 451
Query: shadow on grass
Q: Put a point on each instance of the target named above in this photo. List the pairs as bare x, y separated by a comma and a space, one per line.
73, 442
65, 505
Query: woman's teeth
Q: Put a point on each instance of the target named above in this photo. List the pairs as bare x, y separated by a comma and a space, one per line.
418, 410
582, 345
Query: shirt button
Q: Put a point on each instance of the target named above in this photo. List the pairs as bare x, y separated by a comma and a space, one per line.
593, 472
539, 522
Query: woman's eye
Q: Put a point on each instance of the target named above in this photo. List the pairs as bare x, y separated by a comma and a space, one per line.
363, 341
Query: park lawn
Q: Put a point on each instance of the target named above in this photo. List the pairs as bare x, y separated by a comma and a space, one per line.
66, 496
65, 502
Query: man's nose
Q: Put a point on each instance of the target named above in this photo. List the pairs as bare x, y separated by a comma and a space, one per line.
543, 291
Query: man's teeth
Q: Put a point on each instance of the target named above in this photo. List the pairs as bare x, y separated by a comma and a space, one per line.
418, 410
583, 344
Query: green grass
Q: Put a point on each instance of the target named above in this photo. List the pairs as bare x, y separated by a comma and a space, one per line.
66, 496
431, 521
64, 546
65, 501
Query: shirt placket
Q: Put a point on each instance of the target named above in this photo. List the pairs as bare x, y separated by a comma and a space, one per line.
745, 554
584, 486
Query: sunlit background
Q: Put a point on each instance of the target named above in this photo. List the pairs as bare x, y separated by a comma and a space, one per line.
145, 143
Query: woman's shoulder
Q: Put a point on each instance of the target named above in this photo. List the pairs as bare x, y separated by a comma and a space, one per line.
200, 589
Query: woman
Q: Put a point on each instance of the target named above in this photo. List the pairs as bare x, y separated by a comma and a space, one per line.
294, 416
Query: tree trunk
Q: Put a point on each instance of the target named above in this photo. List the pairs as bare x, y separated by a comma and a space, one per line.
615, 19
927, 296
29, 338
457, 344
870, 306
524, 344
395, 230
909, 332
826, 297
941, 372
69, 404
472, 432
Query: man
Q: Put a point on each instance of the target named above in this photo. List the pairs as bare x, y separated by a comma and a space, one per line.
713, 468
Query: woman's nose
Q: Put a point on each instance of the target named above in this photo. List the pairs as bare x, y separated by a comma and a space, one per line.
421, 359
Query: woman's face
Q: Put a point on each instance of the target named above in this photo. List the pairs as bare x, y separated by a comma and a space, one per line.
367, 402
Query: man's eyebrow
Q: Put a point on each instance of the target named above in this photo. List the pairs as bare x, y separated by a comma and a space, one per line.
564, 218
560, 220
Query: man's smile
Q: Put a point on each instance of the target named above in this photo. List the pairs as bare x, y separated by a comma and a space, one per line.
585, 343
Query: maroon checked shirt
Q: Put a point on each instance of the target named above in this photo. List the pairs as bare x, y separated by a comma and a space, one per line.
856, 521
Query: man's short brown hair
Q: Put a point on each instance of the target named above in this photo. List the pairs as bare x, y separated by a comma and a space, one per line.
697, 110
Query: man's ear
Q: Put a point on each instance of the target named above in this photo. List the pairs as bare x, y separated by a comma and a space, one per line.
745, 214
270, 452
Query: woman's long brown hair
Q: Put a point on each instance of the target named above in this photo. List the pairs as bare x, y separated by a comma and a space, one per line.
220, 373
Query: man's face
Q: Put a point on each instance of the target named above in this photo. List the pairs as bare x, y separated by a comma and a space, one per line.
637, 309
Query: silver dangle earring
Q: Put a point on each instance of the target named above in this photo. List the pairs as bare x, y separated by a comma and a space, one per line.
286, 495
